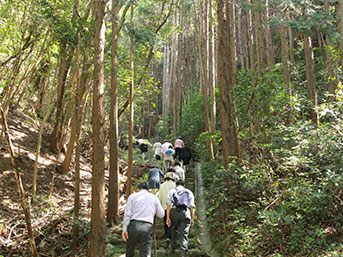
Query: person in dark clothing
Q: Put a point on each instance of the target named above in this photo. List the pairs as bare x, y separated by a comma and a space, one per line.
143, 147
185, 156
154, 180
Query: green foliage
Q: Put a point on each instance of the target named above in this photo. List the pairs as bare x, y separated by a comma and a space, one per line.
287, 200
192, 118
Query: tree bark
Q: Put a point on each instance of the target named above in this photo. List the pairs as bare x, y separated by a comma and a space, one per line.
229, 133
268, 37
212, 82
259, 39
131, 104
251, 39
81, 89
19, 186
113, 183
339, 17
75, 230
285, 71
35, 169
66, 58
311, 80
97, 235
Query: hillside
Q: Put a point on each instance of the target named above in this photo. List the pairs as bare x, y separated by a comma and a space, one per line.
51, 218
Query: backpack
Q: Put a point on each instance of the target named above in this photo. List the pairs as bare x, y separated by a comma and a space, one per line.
169, 152
181, 199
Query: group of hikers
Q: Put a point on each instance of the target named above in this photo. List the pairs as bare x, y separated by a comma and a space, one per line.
167, 151
169, 200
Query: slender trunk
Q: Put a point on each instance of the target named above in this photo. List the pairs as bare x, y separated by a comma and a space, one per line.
35, 169
311, 81
19, 185
113, 183
251, 39
131, 103
211, 76
180, 72
233, 41
268, 36
65, 63
339, 16
81, 89
285, 71
77, 116
259, 39
291, 41
165, 80
97, 234
204, 51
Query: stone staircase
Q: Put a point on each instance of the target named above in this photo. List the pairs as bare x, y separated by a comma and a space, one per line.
160, 247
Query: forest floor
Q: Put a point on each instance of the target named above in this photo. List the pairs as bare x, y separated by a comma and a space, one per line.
51, 217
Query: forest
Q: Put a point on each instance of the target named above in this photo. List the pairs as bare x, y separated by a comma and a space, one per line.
254, 87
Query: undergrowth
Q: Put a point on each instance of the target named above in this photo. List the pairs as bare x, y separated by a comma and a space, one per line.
287, 200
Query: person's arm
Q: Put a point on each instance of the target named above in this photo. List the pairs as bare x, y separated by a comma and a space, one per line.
192, 216
168, 221
169, 204
127, 217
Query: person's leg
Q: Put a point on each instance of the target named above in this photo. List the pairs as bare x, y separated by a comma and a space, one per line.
132, 241
145, 241
185, 225
174, 216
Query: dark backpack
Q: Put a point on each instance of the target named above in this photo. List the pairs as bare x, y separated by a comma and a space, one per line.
181, 199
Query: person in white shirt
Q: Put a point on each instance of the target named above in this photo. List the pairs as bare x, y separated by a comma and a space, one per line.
179, 171
166, 145
140, 211
158, 150
162, 195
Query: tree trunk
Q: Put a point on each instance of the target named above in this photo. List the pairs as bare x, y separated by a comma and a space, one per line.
311, 80
233, 41
229, 134
19, 185
35, 169
291, 41
75, 230
285, 71
268, 36
165, 83
212, 82
131, 104
97, 234
259, 39
180, 73
81, 89
113, 183
339, 17
66, 58
251, 39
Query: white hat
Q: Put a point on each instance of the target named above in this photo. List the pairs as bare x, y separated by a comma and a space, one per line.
169, 175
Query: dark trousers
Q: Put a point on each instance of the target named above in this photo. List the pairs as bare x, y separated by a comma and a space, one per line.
167, 230
177, 153
181, 222
140, 232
